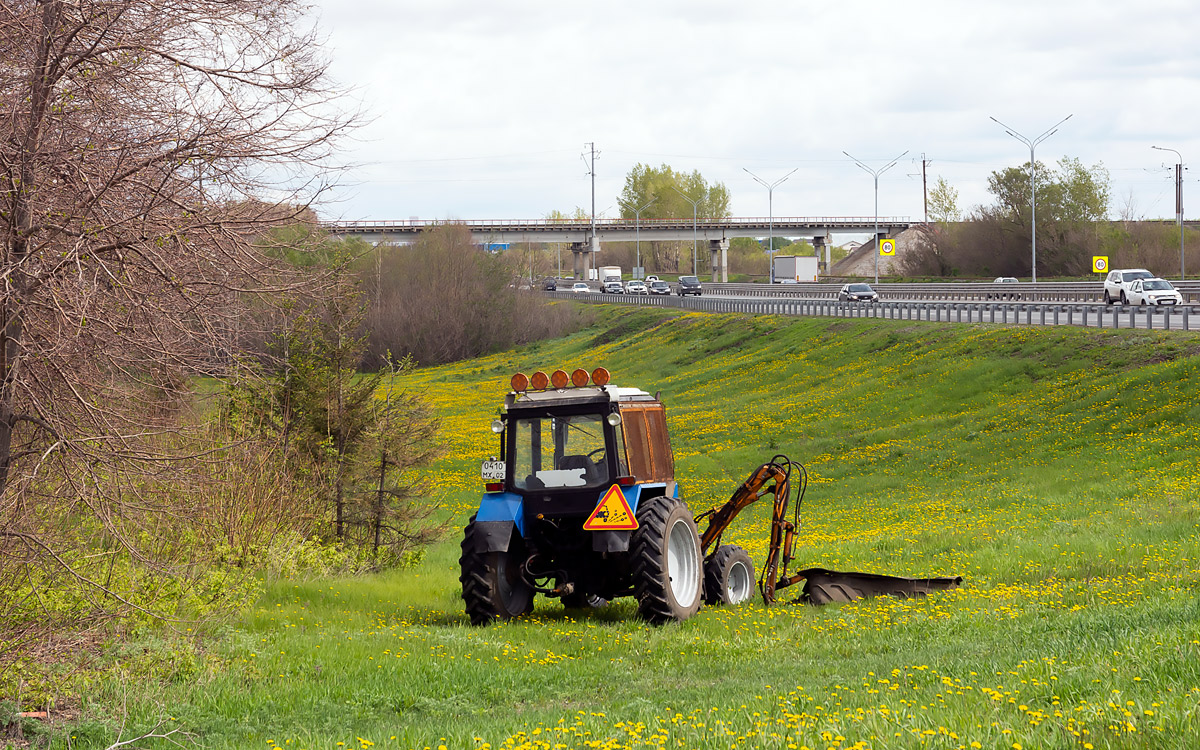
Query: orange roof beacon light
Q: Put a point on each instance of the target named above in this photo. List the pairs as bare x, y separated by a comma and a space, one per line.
600, 376
519, 382
559, 379
540, 381
579, 378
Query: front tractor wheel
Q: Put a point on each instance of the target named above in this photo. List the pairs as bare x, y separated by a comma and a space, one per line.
667, 579
728, 576
492, 585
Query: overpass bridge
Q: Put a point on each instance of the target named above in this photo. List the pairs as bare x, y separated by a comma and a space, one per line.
716, 233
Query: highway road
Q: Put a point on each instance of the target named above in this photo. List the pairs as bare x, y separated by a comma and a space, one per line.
1002, 312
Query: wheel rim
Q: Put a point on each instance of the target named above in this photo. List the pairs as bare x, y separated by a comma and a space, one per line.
511, 590
739, 585
683, 563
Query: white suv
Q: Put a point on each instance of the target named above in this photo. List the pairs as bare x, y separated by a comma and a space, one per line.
1116, 286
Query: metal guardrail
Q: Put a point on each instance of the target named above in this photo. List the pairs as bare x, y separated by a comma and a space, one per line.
1053, 291
964, 291
1182, 318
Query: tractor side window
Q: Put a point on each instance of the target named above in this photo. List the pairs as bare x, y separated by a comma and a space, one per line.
554, 452
646, 441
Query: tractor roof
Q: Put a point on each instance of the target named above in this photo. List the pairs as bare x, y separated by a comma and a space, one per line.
574, 397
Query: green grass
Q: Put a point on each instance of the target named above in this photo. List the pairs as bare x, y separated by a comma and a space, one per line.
1057, 470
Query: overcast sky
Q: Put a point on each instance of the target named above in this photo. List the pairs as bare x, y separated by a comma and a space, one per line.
481, 110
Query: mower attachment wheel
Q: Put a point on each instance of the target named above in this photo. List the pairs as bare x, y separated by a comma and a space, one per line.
667, 578
728, 576
492, 585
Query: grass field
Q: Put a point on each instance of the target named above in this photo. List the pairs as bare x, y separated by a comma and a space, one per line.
1057, 470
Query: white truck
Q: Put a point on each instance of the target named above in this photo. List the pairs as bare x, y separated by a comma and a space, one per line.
793, 269
609, 273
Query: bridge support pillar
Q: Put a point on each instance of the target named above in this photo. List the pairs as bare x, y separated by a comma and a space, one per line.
720, 260
819, 242
580, 255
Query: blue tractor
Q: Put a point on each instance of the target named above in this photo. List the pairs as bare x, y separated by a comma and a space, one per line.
582, 505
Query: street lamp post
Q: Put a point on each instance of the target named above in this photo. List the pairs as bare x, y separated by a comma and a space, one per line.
637, 226
1032, 144
694, 203
875, 174
770, 215
1178, 203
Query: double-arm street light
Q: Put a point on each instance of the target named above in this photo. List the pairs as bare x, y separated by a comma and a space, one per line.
637, 226
770, 186
875, 173
1178, 203
1032, 144
694, 203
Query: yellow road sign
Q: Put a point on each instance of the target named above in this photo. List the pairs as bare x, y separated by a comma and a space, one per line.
887, 247
612, 514
1100, 263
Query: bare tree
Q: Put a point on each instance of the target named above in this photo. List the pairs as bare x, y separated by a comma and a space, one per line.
138, 141
441, 299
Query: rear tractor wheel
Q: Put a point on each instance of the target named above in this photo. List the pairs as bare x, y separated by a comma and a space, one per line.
728, 576
667, 578
492, 585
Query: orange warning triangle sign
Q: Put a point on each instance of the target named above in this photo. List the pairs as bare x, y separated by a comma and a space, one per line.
612, 514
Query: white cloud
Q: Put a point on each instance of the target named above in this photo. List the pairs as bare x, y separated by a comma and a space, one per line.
481, 110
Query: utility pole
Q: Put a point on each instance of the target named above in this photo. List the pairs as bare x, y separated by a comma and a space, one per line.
1178, 205
925, 185
593, 243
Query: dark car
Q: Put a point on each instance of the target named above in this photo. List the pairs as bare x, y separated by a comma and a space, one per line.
659, 287
613, 287
550, 285
688, 285
857, 293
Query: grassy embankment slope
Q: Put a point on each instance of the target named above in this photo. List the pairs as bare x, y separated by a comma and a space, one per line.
1057, 470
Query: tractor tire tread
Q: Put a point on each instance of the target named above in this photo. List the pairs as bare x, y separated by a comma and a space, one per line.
648, 553
480, 591
475, 590
716, 565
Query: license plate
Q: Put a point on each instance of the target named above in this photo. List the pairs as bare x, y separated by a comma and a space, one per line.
493, 470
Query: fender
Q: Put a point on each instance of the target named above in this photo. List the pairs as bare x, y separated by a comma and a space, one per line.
499, 513
618, 540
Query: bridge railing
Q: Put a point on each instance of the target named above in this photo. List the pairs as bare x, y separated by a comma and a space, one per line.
611, 223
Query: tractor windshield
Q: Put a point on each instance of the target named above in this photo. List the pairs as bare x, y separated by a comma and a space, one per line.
559, 451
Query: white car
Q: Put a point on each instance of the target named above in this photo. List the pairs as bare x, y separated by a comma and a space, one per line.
1004, 295
1153, 292
580, 287
636, 287
1118, 281
651, 278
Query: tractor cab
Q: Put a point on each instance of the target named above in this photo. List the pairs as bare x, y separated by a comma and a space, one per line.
558, 446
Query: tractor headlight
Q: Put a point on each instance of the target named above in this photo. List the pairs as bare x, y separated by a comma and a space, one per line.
613, 419
497, 426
